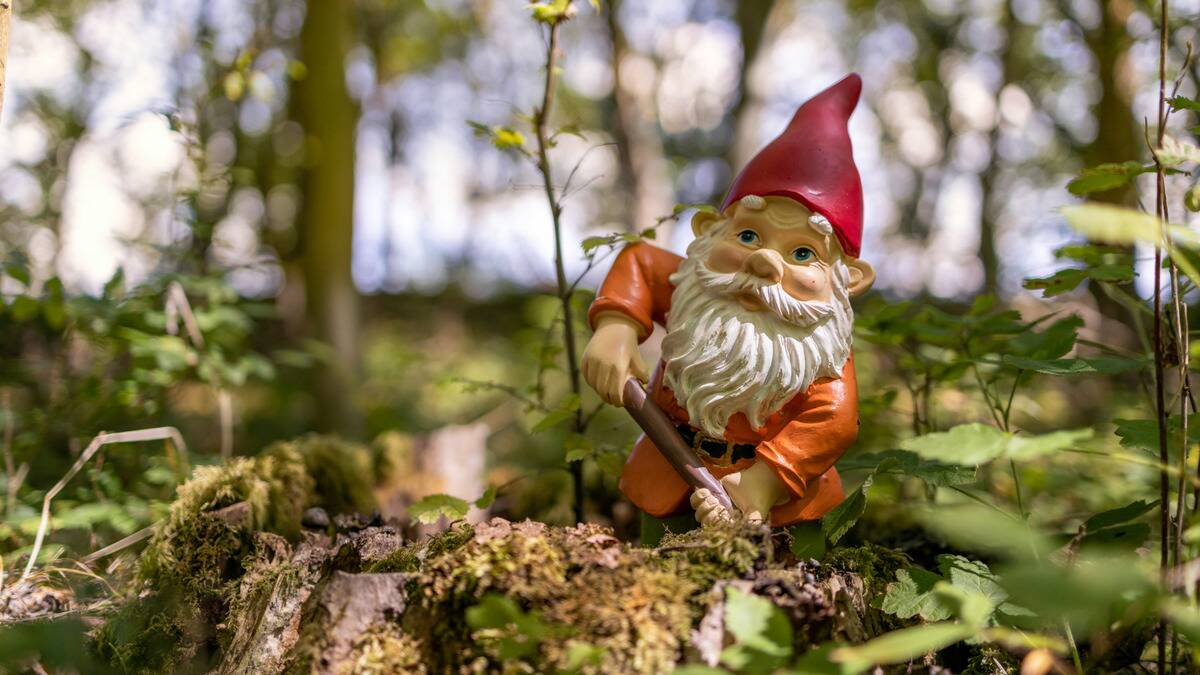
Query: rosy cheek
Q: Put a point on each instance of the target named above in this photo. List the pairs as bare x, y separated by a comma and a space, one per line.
726, 258
808, 283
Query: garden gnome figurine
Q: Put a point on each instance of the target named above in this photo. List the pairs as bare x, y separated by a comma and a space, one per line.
756, 366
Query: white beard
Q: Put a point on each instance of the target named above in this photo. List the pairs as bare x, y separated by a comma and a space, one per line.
722, 359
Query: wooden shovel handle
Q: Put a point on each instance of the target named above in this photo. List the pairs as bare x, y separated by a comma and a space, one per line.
666, 438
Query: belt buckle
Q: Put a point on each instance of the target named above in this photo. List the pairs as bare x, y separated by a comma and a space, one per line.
726, 458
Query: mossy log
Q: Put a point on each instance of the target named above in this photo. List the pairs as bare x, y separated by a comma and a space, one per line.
237, 582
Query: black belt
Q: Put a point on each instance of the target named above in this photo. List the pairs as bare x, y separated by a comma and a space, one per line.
723, 453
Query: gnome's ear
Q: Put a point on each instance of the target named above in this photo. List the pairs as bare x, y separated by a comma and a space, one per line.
862, 276
703, 220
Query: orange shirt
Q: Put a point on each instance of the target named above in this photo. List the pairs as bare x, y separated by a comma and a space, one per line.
801, 441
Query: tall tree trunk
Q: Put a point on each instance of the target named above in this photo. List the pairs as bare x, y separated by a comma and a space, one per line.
329, 117
992, 200
751, 16
1118, 135
644, 177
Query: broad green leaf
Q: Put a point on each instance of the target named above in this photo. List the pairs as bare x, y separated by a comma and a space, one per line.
1174, 152
1120, 516
1120, 225
907, 463
762, 633
838, 521
430, 509
974, 444
565, 409
912, 595
1062, 281
1107, 177
971, 607
906, 644
966, 444
1026, 447
1102, 365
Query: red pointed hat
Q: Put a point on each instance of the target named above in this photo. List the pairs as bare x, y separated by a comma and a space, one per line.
812, 162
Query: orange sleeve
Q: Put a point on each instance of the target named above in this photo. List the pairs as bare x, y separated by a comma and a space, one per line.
638, 286
823, 428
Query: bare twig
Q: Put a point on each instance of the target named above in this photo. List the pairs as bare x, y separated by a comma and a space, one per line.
156, 434
177, 308
121, 545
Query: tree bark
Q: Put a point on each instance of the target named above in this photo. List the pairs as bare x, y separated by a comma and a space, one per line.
644, 176
329, 117
1117, 135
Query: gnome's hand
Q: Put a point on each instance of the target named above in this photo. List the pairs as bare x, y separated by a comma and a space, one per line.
755, 491
708, 510
612, 356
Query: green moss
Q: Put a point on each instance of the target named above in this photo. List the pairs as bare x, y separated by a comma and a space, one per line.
408, 558
382, 649
725, 551
875, 565
189, 571
343, 473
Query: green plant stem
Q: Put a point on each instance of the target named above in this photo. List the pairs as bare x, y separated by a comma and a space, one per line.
1012, 465
541, 120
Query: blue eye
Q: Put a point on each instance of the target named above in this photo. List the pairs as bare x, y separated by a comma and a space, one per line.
748, 237
803, 254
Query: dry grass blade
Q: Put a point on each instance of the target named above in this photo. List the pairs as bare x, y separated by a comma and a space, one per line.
156, 434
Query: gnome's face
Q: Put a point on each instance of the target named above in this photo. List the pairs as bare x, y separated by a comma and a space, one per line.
777, 241
761, 309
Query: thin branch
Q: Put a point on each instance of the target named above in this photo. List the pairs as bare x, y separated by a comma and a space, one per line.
1159, 385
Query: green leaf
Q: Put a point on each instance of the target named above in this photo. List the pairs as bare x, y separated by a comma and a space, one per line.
975, 444
1184, 103
517, 634
578, 447
1120, 225
580, 654
912, 595
1174, 152
1062, 281
487, 498
1191, 198
1125, 514
906, 644
838, 521
430, 509
566, 408
1107, 177
966, 444
1099, 365
762, 633
553, 11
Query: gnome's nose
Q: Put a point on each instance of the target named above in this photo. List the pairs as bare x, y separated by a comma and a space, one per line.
765, 264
